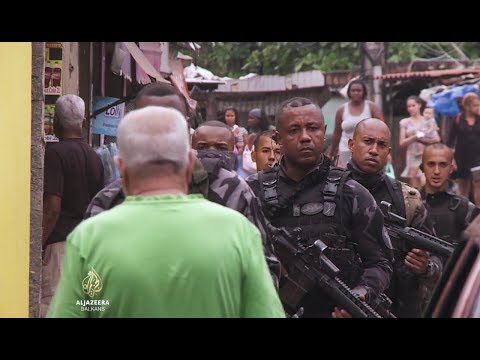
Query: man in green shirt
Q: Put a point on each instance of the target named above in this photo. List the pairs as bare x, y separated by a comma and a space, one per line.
163, 253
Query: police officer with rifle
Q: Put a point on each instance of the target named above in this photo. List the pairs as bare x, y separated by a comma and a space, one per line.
305, 191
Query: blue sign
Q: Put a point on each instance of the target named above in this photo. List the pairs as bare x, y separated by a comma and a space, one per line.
107, 121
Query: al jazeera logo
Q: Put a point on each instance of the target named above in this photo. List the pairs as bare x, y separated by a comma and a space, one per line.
92, 285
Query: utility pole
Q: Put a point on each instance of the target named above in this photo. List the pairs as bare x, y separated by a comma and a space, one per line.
372, 68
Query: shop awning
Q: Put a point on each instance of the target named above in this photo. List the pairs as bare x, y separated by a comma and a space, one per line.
143, 62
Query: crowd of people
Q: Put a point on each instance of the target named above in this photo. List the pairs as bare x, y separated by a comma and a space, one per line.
191, 229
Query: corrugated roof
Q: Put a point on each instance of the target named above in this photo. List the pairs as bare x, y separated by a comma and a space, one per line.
428, 74
202, 81
269, 102
267, 83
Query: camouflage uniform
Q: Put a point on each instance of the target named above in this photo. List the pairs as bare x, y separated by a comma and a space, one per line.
407, 290
225, 187
230, 190
112, 194
364, 254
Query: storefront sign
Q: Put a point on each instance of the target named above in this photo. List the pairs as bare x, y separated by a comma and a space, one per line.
52, 88
107, 122
48, 113
53, 69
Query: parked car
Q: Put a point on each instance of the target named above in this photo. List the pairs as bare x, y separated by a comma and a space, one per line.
457, 294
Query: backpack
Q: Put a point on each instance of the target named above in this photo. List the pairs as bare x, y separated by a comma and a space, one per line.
412, 200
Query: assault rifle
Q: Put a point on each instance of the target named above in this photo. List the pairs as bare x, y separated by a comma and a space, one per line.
297, 315
382, 304
310, 267
414, 237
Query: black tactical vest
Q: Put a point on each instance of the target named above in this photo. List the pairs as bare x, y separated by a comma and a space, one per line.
315, 212
449, 218
404, 288
395, 191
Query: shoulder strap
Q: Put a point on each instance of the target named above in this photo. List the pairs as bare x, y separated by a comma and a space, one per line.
336, 177
459, 205
268, 181
333, 191
395, 189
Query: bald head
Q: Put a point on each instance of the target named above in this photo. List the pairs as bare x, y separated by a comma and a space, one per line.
370, 145
447, 153
372, 123
437, 165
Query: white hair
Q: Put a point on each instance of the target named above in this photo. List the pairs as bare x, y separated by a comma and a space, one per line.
70, 111
153, 134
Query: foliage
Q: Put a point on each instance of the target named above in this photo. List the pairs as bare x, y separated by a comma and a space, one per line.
235, 59
239, 58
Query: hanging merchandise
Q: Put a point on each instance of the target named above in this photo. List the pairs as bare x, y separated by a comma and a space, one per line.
426, 94
112, 147
445, 104
108, 165
460, 91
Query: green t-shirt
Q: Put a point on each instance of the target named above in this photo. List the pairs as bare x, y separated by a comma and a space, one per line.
165, 256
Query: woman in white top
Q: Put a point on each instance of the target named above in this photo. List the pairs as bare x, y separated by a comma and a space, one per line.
415, 133
347, 117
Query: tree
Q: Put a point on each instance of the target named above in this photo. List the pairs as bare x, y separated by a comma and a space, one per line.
266, 58
235, 59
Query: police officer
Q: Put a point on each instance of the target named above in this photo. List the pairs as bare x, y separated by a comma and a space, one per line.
212, 173
304, 192
450, 213
157, 94
370, 148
